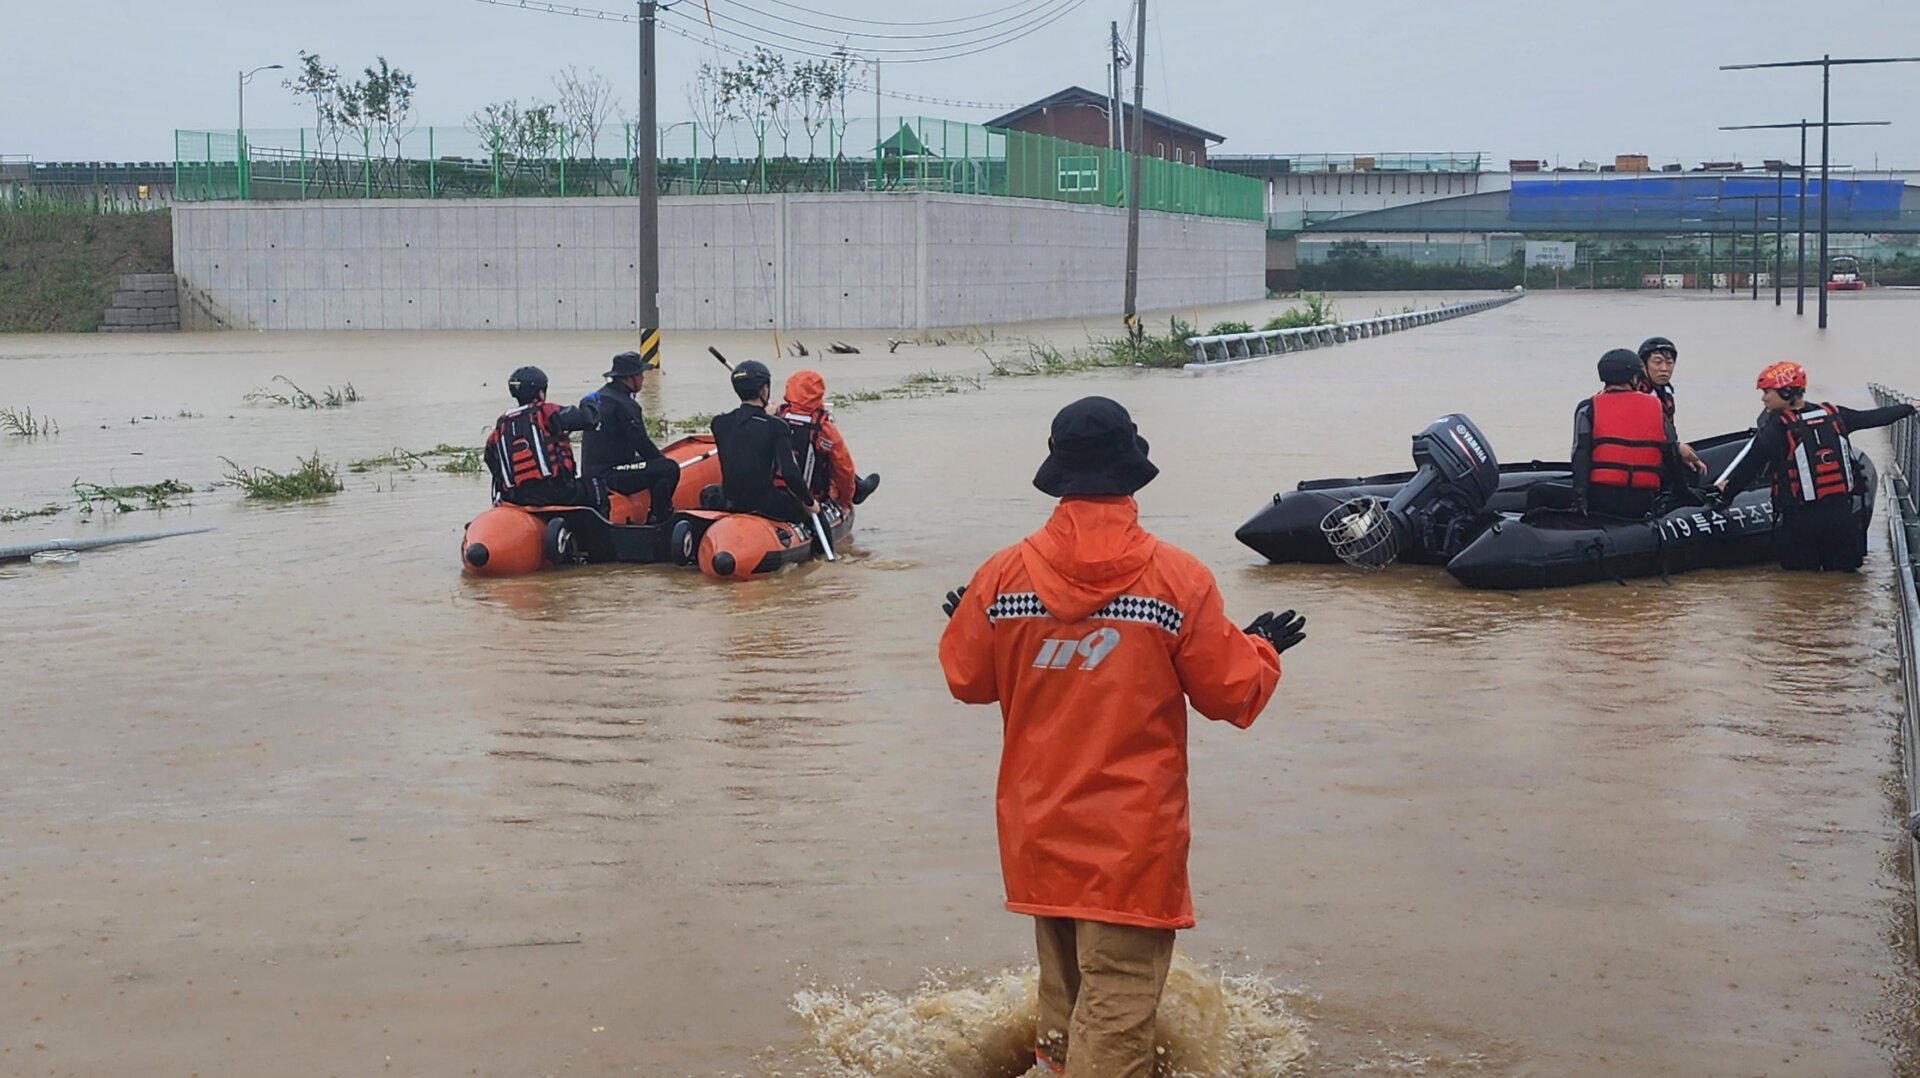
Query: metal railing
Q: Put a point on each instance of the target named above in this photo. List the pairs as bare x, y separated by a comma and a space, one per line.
1903, 528
893, 154
1215, 351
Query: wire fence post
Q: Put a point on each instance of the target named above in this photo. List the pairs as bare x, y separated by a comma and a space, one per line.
494, 137
366, 163
433, 174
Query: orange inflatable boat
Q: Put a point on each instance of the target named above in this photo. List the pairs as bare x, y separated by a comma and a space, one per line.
507, 540
741, 546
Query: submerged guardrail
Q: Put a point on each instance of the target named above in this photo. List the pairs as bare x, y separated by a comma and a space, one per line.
1220, 350
1903, 529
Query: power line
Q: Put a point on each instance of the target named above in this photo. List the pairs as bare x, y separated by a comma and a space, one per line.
543, 7
985, 45
1049, 12
897, 95
889, 22
1032, 7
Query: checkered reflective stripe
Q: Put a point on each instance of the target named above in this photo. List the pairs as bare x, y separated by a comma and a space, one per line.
1141, 608
1023, 604
1138, 608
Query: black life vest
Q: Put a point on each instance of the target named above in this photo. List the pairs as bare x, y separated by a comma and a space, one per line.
1629, 441
1665, 393
807, 437
1819, 461
528, 445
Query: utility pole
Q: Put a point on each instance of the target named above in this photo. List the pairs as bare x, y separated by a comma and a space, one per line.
1779, 224
1132, 314
647, 315
1115, 140
1800, 261
1826, 65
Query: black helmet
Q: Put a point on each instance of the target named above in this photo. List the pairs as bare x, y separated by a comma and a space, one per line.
750, 376
1621, 368
526, 384
1658, 344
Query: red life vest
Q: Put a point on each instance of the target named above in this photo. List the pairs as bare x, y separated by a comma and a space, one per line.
528, 446
1629, 441
807, 438
1819, 462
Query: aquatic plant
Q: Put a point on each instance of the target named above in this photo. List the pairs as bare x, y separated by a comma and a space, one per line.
1221, 329
295, 397
1319, 311
22, 423
129, 498
311, 479
659, 427
453, 459
8, 516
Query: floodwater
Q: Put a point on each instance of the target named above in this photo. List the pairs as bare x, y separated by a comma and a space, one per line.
295, 798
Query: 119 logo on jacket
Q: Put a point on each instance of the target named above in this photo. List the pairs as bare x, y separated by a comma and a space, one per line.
1092, 649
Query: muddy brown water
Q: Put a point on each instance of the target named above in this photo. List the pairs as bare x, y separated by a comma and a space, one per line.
296, 798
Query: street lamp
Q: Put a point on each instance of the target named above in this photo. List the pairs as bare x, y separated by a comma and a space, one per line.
1800, 267
1826, 65
240, 148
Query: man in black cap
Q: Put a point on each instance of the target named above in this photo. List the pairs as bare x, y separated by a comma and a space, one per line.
617, 452
1624, 450
1660, 356
1092, 636
754, 446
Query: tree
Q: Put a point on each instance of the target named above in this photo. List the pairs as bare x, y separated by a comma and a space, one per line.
586, 104
815, 87
385, 99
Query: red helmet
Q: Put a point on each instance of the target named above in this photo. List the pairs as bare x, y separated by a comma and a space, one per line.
1783, 375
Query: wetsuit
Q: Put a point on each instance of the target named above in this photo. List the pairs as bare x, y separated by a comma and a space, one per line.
1818, 533
1620, 472
753, 446
618, 453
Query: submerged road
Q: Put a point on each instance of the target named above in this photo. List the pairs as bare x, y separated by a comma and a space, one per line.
296, 798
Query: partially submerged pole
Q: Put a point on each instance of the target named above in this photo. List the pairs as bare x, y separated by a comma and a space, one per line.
22, 551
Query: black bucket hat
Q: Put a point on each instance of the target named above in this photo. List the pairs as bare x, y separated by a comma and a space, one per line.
626, 364
1095, 449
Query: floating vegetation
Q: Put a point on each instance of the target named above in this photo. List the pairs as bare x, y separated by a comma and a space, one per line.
659, 427
453, 459
22, 423
131, 498
295, 397
912, 387
1221, 329
312, 479
8, 516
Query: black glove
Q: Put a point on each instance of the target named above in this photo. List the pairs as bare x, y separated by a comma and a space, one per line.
1281, 630
953, 600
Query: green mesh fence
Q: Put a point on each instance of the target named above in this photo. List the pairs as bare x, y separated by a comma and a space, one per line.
892, 154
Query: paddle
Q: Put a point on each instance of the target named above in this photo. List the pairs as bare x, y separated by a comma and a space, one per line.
819, 526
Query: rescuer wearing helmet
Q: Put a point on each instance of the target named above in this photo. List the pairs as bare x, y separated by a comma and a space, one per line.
1660, 356
617, 452
1094, 638
1807, 449
754, 447
529, 454
1624, 453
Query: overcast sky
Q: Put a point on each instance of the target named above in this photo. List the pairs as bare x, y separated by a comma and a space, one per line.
111, 79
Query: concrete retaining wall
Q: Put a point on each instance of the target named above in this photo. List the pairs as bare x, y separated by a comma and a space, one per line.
906, 261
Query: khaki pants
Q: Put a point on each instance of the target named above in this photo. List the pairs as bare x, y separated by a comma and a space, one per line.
1099, 987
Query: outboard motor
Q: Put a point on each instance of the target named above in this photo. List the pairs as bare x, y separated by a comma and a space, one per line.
1436, 510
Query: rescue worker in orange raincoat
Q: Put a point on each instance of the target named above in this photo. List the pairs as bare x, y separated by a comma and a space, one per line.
1624, 451
823, 453
1806, 447
1092, 636
530, 455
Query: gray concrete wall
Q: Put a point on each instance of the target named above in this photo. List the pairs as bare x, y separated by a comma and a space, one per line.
907, 261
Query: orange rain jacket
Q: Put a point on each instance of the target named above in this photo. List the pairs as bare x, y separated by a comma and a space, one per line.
1088, 634
806, 398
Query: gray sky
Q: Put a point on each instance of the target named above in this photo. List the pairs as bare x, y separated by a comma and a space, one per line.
107, 79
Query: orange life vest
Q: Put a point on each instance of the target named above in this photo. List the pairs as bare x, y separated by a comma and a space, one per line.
1819, 461
1629, 441
527, 445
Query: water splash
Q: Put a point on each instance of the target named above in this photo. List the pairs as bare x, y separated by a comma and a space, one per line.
1210, 1026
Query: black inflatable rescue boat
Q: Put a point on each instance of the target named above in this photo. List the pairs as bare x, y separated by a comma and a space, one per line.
1463, 509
